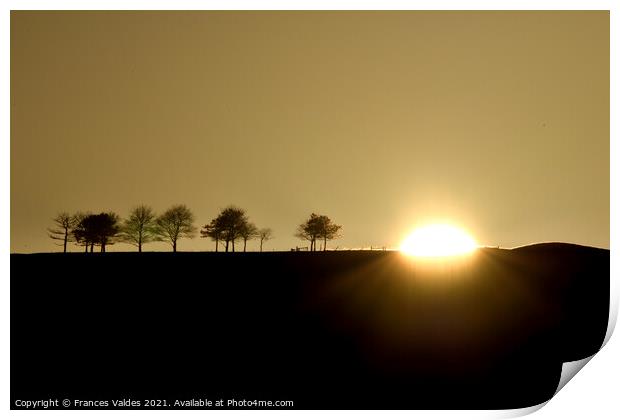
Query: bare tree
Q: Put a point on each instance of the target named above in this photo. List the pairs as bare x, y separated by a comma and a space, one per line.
107, 229
140, 227
80, 233
230, 222
175, 223
214, 231
247, 231
99, 229
327, 230
309, 230
316, 227
264, 235
64, 224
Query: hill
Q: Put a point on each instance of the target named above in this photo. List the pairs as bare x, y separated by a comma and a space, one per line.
350, 329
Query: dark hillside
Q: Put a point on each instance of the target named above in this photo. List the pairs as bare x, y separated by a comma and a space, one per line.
327, 330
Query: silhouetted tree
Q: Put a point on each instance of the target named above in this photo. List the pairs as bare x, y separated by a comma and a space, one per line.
214, 231
80, 234
318, 226
309, 230
140, 227
230, 222
175, 223
327, 230
94, 229
107, 229
264, 235
247, 231
63, 229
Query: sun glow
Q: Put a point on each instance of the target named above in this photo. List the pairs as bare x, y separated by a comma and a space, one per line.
438, 240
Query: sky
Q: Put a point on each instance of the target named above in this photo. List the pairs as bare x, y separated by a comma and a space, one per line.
497, 122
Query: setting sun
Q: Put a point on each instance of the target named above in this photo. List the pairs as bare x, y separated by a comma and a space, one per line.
438, 240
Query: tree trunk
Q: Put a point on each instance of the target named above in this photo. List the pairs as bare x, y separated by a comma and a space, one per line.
217, 242
140, 241
91, 247
261, 245
325, 243
174, 246
226, 249
86, 247
233, 245
244, 242
64, 247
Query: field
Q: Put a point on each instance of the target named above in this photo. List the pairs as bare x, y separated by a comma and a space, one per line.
344, 330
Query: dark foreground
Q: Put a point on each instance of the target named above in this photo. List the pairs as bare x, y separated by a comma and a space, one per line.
341, 330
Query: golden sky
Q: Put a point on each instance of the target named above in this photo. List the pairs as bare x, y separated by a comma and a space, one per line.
496, 121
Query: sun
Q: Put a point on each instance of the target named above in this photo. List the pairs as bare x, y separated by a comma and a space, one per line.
438, 240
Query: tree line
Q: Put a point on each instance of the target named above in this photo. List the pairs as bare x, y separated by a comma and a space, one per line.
143, 226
